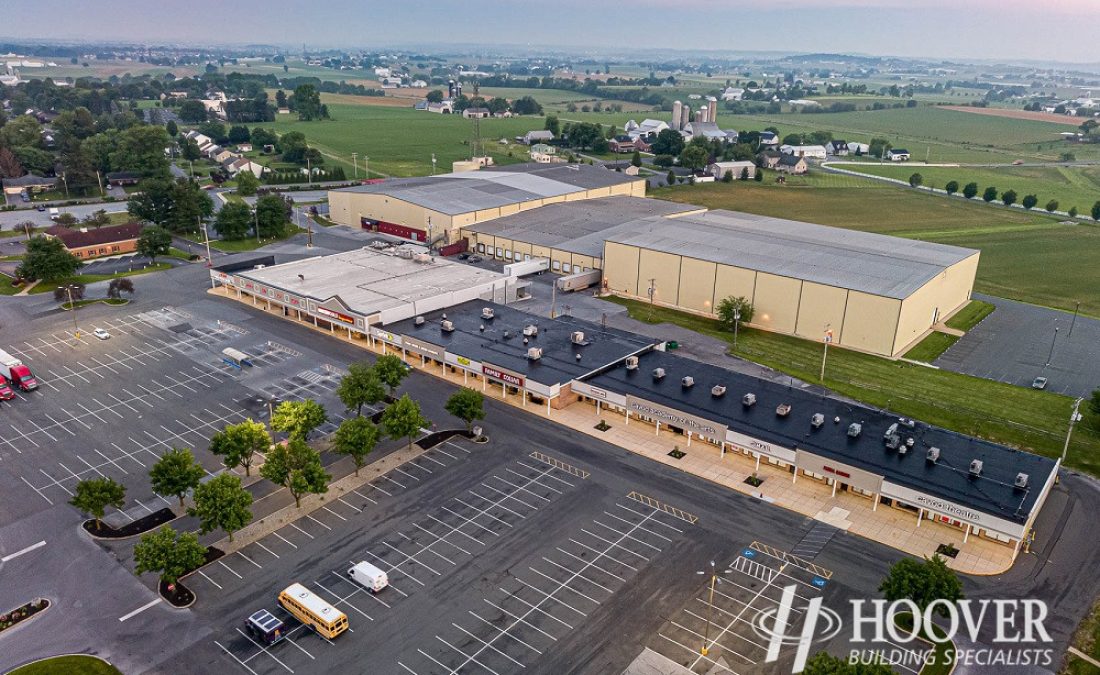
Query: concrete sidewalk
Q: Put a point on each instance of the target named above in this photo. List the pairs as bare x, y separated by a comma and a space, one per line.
897, 528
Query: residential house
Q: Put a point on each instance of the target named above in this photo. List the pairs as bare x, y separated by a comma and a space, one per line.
858, 148
702, 177
476, 113
622, 144
769, 139
645, 143
244, 147
769, 159
85, 243
444, 107
897, 155
719, 169
30, 183
122, 178
542, 153
537, 136
222, 155
807, 151
236, 164
418, 84
792, 164
837, 148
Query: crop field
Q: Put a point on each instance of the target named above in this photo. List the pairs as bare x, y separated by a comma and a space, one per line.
1071, 186
400, 141
1025, 256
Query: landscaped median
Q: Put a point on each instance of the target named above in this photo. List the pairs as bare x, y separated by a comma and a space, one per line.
69, 664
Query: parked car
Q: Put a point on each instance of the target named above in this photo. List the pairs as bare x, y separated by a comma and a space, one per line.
41, 208
264, 627
1039, 383
101, 334
474, 259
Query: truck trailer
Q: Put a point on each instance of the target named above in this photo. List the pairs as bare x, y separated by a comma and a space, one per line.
579, 280
19, 374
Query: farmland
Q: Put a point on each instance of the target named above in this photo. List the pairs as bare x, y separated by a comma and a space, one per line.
1025, 256
1071, 186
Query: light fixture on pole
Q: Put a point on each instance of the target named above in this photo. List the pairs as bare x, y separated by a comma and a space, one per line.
1054, 341
714, 580
736, 320
825, 354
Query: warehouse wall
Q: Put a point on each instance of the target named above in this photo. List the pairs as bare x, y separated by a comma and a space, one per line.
939, 298
870, 322
820, 306
621, 268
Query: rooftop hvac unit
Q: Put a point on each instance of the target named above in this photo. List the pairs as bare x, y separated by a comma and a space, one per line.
718, 391
817, 420
748, 400
658, 373
418, 321
632, 363
1021, 480
910, 442
891, 430
447, 326
687, 381
577, 337
855, 429
904, 449
534, 353
892, 442
486, 312
933, 455
530, 330
907, 422
976, 467
783, 409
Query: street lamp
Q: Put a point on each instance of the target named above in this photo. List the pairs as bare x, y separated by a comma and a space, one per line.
1050, 356
72, 308
736, 320
825, 354
714, 580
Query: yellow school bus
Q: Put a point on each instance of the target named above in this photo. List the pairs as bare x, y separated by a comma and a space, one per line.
313, 611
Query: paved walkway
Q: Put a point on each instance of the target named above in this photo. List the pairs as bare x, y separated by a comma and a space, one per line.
893, 527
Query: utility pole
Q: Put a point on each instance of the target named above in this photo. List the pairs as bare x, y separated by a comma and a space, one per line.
66, 182
309, 172
553, 297
1074, 418
206, 237
714, 580
354, 164
99, 179
309, 226
256, 214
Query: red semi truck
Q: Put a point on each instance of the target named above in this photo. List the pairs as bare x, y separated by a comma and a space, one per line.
19, 374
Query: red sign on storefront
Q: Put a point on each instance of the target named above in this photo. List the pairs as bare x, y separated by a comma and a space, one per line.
335, 315
507, 378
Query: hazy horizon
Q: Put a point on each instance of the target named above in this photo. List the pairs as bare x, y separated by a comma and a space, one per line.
1060, 30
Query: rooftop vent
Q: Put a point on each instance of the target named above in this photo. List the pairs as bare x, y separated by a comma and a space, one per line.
1021, 480
507, 334
855, 429
933, 455
447, 325
976, 468
486, 312
910, 442
578, 357
481, 328
907, 422
891, 430
632, 363
817, 420
577, 337
893, 442
530, 330
903, 449
718, 391
783, 409
534, 353
418, 321
658, 373
687, 381
748, 400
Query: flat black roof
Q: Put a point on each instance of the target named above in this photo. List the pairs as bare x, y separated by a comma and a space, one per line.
993, 492
558, 364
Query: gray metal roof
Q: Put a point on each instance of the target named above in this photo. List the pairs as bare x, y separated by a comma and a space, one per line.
578, 227
860, 261
462, 192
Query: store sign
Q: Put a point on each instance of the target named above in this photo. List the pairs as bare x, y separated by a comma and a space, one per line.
461, 361
422, 348
944, 507
676, 418
498, 374
842, 473
385, 335
323, 311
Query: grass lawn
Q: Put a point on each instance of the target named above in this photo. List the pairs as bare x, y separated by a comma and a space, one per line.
1087, 639
49, 286
68, 665
1070, 186
84, 303
248, 244
6, 287
1024, 418
930, 348
1025, 256
970, 316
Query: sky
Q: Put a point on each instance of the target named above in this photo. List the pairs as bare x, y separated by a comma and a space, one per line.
1061, 30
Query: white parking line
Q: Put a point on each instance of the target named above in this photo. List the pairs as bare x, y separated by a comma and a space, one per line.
28, 549
141, 609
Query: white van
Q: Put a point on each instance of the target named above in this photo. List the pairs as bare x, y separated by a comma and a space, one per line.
54, 213
369, 576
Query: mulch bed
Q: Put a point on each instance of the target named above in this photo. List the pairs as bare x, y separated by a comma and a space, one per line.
22, 613
947, 550
139, 526
677, 454
180, 596
434, 439
754, 481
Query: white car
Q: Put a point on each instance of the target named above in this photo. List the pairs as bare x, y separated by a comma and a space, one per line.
101, 334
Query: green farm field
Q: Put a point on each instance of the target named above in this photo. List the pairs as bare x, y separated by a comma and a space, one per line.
1025, 256
1070, 185
400, 141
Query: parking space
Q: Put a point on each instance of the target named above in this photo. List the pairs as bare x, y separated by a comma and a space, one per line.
747, 590
539, 606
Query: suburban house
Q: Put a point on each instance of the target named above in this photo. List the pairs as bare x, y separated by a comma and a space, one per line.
792, 164
244, 147
769, 138
122, 178
837, 148
418, 84
545, 154
897, 155
223, 155
87, 243
622, 144
30, 183
236, 164
807, 151
644, 143
719, 169
479, 113
858, 148
769, 159
538, 136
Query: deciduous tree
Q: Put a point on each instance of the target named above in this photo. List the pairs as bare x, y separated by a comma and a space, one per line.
93, 495
391, 370
403, 419
970, 190
175, 473
467, 405
922, 582
247, 183
154, 241
361, 386
168, 553
297, 467
47, 260
732, 306
356, 437
1008, 198
990, 194
237, 444
952, 187
298, 418
221, 503
234, 221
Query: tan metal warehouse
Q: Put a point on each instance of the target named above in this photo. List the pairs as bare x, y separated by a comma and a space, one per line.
571, 235
436, 207
876, 293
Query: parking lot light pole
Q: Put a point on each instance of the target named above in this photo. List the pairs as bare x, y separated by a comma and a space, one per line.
825, 354
72, 308
1050, 356
736, 320
714, 580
